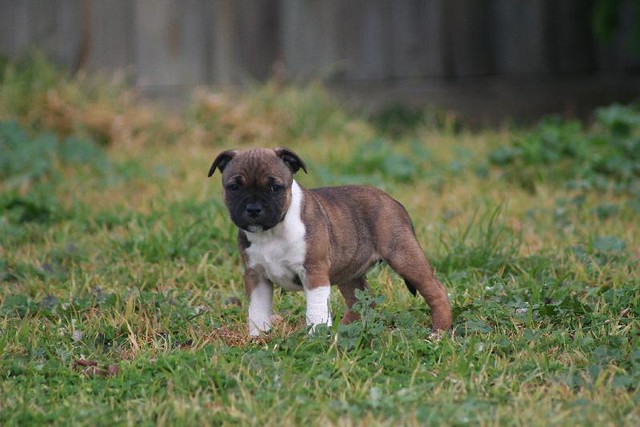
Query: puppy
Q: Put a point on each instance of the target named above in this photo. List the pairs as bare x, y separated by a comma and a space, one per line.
308, 240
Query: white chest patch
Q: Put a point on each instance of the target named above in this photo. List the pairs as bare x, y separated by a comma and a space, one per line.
279, 253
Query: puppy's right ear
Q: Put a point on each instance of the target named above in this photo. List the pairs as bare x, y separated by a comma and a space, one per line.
221, 161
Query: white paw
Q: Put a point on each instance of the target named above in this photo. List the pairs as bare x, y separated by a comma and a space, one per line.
260, 309
318, 312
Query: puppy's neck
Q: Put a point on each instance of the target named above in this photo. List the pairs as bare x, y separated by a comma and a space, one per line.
290, 226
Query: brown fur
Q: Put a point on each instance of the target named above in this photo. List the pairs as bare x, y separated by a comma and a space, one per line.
354, 227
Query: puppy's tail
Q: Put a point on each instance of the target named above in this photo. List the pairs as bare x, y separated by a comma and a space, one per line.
410, 286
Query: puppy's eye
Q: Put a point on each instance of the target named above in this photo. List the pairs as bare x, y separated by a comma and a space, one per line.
276, 188
233, 187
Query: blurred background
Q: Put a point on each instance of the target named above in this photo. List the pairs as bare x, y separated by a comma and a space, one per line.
483, 59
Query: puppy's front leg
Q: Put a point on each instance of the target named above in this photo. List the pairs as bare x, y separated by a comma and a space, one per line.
318, 312
260, 293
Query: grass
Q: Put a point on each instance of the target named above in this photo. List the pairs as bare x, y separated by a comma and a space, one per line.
122, 297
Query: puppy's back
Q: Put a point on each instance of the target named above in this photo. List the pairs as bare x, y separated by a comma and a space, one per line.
365, 204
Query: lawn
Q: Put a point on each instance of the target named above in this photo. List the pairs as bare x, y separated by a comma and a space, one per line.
121, 297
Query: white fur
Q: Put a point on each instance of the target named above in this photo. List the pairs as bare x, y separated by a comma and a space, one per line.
279, 252
260, 308
318, 306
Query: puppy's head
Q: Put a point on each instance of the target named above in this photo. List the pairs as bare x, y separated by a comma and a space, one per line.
257, 185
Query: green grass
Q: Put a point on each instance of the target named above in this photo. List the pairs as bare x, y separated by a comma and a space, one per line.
116, 251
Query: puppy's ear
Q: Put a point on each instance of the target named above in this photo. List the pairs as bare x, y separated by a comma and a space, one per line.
221, 161
291, 159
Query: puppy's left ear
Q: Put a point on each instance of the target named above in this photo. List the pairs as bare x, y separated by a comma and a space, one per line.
221, 161
291, 159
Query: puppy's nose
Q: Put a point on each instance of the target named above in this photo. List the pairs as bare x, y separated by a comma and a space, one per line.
254, 210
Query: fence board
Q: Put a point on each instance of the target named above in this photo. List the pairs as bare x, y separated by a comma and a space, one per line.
349, 35
222, 65
471, 33
42, 24
56, 28
15, 37
416, 30
244, 40
169, 43
52, 27
258, 40
629, 51
110, 44
70, 32
519, 36
374, 58
570, 41
310, 37
365, 39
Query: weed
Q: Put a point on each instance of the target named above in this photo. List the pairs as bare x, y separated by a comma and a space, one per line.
363, 333
604, 156
28, 159
380, 161
485, 245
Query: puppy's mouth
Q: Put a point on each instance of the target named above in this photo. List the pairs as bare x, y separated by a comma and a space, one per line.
254, 228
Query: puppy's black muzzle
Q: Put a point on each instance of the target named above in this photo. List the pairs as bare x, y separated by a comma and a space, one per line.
250, 213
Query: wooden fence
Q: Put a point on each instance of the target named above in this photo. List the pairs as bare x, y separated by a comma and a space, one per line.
182, 43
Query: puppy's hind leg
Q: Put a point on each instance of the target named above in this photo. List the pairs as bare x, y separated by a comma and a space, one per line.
410, 262
348, 291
